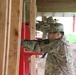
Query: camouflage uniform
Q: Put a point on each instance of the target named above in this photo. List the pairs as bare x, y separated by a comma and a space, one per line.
41, 25
56, 62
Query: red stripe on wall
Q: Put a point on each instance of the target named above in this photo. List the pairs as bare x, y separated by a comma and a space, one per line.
74, 23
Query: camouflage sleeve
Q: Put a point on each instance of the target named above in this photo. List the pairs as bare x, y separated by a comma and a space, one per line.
31, 45
34, 45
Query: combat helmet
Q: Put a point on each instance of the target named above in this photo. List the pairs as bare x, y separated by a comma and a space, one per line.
54, 27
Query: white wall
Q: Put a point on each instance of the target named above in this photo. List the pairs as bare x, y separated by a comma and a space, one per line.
67, 22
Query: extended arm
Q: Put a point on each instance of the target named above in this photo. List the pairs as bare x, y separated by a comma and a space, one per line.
34, 45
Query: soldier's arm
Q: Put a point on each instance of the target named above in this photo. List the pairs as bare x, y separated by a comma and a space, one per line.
34, 45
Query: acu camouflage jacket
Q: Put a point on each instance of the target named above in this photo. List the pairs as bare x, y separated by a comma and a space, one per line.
58, 60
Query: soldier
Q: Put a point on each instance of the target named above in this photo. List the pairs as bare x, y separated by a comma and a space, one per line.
57, 48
